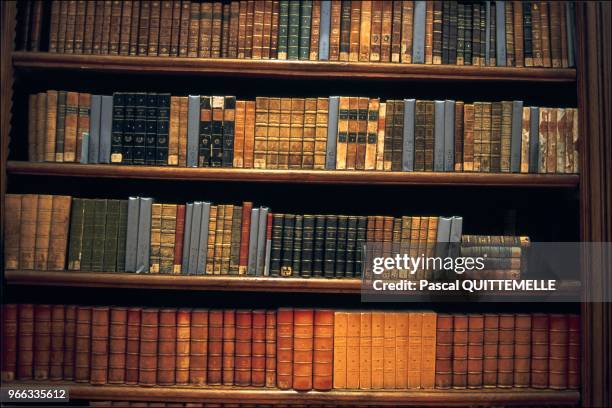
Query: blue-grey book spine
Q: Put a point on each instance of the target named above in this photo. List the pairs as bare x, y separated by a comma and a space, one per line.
131, 241
261, 240
438, 135
193, 130
449, 135
516, 136
324, 30
253, 233
442, 246
570, 22
332, 131
203, 245
187, 239
94, 129
534, 139
194, 244
455, 239
487, 5
144, 235
500, 33
408, 145
418, 37
106, 126
85, 148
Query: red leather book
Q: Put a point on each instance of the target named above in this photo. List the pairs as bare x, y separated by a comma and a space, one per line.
539, 350
258, 348
25, 341
215, 347
229, 337
178, 238
42, 341
117, 345
198, 346
183, 338
491, 338
505, 361
475, 350
558, 352
242, 369
573, 351
323, 356
56, 356
522, 350
460, 351
149, 335
303, 320
284, 348
166, 353
69, 342
270, 345
444, 352
99, 344
247, 206
82, 344
8, 358
132, 347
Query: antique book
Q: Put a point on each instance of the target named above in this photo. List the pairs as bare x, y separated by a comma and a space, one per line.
389, 357
198, 347
437, 33
539, 350
149, 334
335, 30
321, 127
284, 131
495, 137
364, 30
271, 348
396, 31
303, 321
375, 31
229, 338
444, 351
355, 25
100, 317
56, 349
60, 127
370, 135
27, 231
460, 351
522, 350
58, 236
345, 30
25, 341
365, 351
132, 348
261, 132
332, 133
380, 142
82, 344
558, 352
12, 230
293, 31
428, 353
573, 351
459, 135
309, 133
490, 352
42, 341
183, 341
117, 345
315, 31
258, 349
519, 58
340, 349
242, 351
43, 228
69, 343
325, 28
378, 356
386, 31
475, 351
9, 343
407, 31
284, 348
506, 346
296, 133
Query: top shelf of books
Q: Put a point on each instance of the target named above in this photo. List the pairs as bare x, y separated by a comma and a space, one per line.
286, 68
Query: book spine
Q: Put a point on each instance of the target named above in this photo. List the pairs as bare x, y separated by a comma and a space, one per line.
183, 341
229, 120
325, 30
242, 369
460, 351
334, 31
174, 130
99, 345
105, 134
505, 362
42, 341
386, 31
475, 351
303, 349
364, 30
132, 345
58, 235
149, 335
389, 357
515, 144
444, 352
396, 31
229, 337
296, 252
315, 31
345, 30
284, 348
82, 344
12, 229
117, 345
271, 348
198, 347
43, 229
258, 349
56, 346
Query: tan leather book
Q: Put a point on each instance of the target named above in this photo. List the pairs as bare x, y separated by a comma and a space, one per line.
320, 144
402, 325
545, 31
355, 25
12, 230
249, 134
261, 132
386, 31
214, 368
205, 17
343, 133
212, 232
554, 9
225, 29
258, 349
525, 135
371, 134
42, 341
183, 338
198, 347
168, 233
485, 138
522, 350
518, 33
47, 103
165, 28
428, 353
352, 344
284, 348
396, 32
43, 227
302, 349
272, 140
226, 243
182, 137
478, 135
505, 362
242, 13
553, 136
544, 114
271, 349
216, 31
561, 139
284, 132
248, 48
415, 352
375, 31
362, 133
340, 350
406, 39
429, 33
380, 142
378, 353
365, 351
334, 32
166, 357
569, 140
215, 262
315, 30
154, 251
79, 26
364, 30
506, 135
240, 133
310, 124
258, 21
173, 136
296, 134
389, 355
495, 132
229, 347
27, 232
58, 236
353, 129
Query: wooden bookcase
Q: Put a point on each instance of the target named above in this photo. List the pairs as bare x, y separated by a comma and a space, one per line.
531, 195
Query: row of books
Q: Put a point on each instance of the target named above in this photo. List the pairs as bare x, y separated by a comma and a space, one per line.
173, 404
335, 133
288, 348
492, 33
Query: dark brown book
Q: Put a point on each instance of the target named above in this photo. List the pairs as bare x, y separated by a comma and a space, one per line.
258, 348
274, 31
175, 28
134, 31
79, 26
444, 352
143, 29
82, 344
105, 38
42, 341
115, 28
53, 25
132, 346
117, 346
165, 28
266, 29
475, 350
154, 28
193, 38
63, 22
198, 348
184, 28
215, 347
509, 16
554, 9
323, 350
70, 25
491, 339
25, 341
149, 336
284, 348
396, 32
355, 25
460, 351
558, 352
56, 356
545, 32
229, 338
334, 30
99, 345
250, 19
232, 47
166, 353
8, 358
505, 361
437, 32
386, 31
225, 30
539, 350
242, 369
69, 343
216, 29
270, 343
518, 33
522, 350
573, 352
183, 339
303, 349
126, 21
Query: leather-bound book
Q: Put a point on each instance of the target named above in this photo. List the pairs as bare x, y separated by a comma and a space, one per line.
198, 347
154, 28
239, 139
329, 257
323, 350
273, 136
84, 104
224, 31
319, 246
9, 342
475, 350
232, 48
429, 32
53, 25
522, 350
134, 25
296, 133
341, 245
258, 28
509, 19
365, 29
345, 30
69, 343
173, 135
397, 137
437, 33
505, 362
460, 351
175, 28
154, 259
545, 30
183, 340
115, 28
70, 25
359, 242
271, 348
335, 13
266, 30
215, 347
242, 369
419, 135
33, 147
477, 135
258, 348
495, 133
396, 32
308, 226
343, 133
229, 337
407, 31
357, 150
555, 33
225, 157
320, 142
446, 14
459, 135
558, 352
82, 344
63, 22
388, 145
352, 344
99, 344
315, 31
351, 246
371, 135
149, 335
355, 25
536, 34
415, 349
528, 34
185, 24
283, 28
539, 350
553, 137
117, 346
178, 239
125, 20
296, 252
261, 132
506, 136
444, 352
117, 127
519, 58
284, 132
234, 244
105, 32
378, 356
46, 119
79, 26
402, 326
429, 136
42, 341
43, 227
25, 341
193, 36
340, 350
389, 357
490, 352
247, 207
166, 352
60, 127
143, 28
205, 17
250, 17
386, 31
365, 351
566, 41
428, 353
284, 348
132, 347
309, 133
573, 352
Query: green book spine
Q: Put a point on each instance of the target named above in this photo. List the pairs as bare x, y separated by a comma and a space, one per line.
89, 212
305, 20
76, 235
329, 257
277, 244
283, 28
341, 246
287, 251
351, 235
307, 245
111, 235
99, 236
319, 246
60, 126
293, 33
297, 246
362, 224
121, 235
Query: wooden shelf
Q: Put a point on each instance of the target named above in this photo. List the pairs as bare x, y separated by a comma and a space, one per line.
292, 176
287, 69
224, 394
